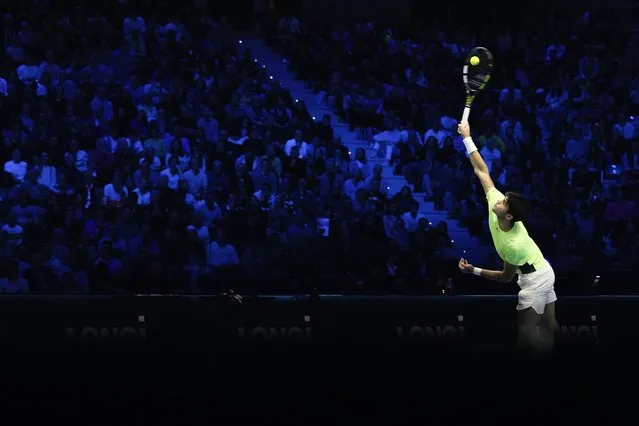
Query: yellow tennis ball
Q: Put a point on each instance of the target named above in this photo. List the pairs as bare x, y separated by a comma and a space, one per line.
474, 60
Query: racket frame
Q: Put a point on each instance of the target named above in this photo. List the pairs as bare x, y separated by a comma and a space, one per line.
470, 95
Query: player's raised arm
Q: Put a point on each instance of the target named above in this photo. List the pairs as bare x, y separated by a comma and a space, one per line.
479, 166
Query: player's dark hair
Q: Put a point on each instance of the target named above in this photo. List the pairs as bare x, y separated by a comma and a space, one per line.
518, 206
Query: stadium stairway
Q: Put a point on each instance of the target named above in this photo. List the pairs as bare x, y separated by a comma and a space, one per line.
278, 69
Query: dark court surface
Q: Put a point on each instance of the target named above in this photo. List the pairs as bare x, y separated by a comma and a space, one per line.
481, 378
574, 383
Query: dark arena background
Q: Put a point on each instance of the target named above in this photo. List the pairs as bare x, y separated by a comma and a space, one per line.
446, 349
268, 199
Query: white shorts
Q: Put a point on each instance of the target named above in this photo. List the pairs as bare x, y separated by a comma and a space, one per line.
537, 290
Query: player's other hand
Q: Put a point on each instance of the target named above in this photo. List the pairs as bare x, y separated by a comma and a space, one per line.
463, 129
465, 267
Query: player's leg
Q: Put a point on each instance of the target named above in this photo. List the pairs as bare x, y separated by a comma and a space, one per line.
538, 295
527, 326
533, 335
548, 326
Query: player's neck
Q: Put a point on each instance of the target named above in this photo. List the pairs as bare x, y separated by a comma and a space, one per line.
506, 225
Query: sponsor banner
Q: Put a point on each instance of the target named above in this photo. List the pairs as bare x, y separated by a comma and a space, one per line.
211, 323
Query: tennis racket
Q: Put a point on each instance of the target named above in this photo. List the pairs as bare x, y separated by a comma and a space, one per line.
478, 67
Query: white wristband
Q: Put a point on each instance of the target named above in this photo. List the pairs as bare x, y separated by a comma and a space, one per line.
470, 145
477, 271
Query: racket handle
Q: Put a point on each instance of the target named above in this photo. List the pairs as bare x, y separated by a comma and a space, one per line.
465, 115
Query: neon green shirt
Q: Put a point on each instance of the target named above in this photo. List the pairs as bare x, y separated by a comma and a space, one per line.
515, 246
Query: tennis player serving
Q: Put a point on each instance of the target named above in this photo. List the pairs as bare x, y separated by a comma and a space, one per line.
537, 324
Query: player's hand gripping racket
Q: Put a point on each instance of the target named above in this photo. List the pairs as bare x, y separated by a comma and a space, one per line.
478, 67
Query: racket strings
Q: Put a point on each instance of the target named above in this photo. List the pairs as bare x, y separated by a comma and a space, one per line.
476, 76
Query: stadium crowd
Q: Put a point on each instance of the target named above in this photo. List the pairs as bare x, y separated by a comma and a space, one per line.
558, 123
145, 151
